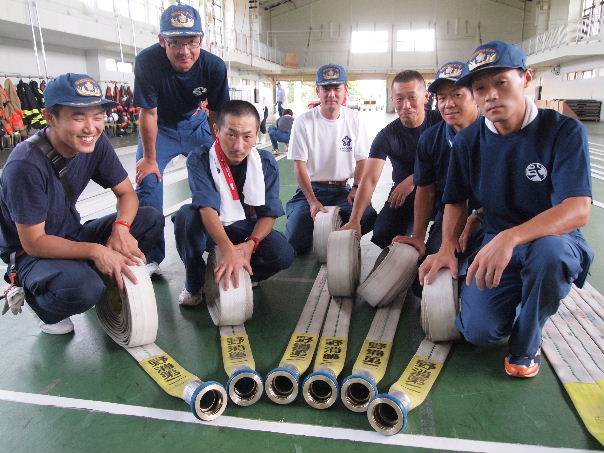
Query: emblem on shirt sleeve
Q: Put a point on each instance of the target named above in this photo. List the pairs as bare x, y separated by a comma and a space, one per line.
346, 144
536, 172
182, 19
87, 87
481, 57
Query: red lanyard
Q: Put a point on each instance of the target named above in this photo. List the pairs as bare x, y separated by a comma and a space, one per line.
226, 170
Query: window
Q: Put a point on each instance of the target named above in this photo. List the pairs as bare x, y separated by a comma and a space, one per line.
593, 10
420, 40
110, 64
588, 74
124, 67
369, 41
601, 72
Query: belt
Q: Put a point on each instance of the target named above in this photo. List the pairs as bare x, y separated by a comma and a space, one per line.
332, 183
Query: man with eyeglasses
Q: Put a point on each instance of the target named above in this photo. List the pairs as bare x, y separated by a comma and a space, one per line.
172, 80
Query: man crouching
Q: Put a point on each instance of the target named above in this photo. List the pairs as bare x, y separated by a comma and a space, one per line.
235, 190
57, 260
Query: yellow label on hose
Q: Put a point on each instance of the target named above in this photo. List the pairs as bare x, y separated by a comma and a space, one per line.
300, 350
417, 379
332, 353
236, 353
169, 375
373, 358
589, 402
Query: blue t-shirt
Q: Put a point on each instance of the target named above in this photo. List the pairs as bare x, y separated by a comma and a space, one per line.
177, 94
32, 193
206, 195
432, 162
519, 175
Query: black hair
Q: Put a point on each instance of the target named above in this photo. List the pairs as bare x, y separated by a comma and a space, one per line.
54, 110
288, 112
408, 76
237, 108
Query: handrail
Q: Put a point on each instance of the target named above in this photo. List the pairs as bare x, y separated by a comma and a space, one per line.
581, 31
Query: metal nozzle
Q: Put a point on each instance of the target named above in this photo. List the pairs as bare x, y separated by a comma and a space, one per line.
357, 392
245, 387
208, 400
387, 413
282, 385
320, 389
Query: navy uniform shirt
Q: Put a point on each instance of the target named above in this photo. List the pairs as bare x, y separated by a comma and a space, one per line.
432, 162
177, 94
399, 143
519, 175
206, 195
32, 193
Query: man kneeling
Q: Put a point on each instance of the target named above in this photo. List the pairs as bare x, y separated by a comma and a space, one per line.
58, 260
235, 190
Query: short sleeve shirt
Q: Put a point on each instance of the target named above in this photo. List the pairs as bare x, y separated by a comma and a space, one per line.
177, 94
432, 161
399, 143
32, 193
330, 148
205, 193
517, 176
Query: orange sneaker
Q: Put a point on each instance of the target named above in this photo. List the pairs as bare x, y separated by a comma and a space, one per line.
522, 366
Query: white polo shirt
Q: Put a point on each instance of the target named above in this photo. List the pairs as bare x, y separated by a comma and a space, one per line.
330, 148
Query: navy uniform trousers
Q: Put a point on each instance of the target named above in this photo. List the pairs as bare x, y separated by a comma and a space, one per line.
186, 136
192, 240
299, 227
538, 276
58, 288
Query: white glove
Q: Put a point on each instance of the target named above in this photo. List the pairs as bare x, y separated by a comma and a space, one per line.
15, 298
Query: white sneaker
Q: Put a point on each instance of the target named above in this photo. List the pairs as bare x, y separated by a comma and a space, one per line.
255, 285
187, 299
58, 328
152, 268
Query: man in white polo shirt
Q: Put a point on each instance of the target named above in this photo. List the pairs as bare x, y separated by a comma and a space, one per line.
329, 145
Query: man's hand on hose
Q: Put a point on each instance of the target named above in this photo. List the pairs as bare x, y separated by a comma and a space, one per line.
315, 207
230, 264
113, 264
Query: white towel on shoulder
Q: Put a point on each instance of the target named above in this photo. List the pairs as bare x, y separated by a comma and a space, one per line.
231, 210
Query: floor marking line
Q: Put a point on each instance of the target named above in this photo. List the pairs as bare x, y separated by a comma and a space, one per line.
597, 144
597, 203
594, 175
296, 429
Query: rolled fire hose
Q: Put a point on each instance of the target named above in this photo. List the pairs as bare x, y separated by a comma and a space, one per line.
130, 319
343, 263
394, 270
360, 387
320, 388
388, 413
232, 306
229, 309
282, 383
325, 224
574, 344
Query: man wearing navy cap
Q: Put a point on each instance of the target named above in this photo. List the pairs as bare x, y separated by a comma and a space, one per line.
529, 170
57, 260
397, 142
329, 145
458, 109
172, 79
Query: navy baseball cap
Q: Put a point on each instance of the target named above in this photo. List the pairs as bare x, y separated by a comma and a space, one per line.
331, 74
451, 71
494, 54
180, 20
75, 90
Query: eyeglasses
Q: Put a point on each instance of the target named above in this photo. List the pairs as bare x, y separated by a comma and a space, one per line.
191, 45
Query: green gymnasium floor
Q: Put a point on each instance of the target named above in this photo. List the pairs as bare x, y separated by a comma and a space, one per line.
54, 390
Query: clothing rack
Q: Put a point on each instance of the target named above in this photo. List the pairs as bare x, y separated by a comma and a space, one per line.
16, 75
